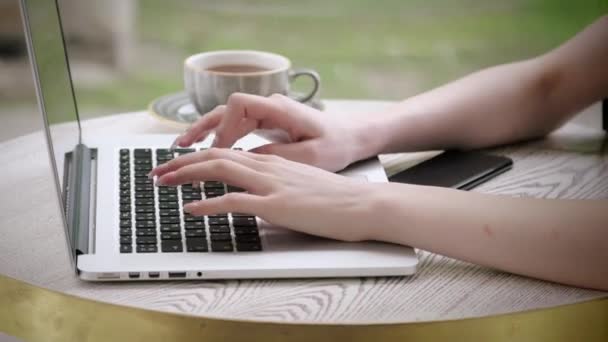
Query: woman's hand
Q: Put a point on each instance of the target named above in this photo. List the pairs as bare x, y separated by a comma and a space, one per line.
328, 141
282, 192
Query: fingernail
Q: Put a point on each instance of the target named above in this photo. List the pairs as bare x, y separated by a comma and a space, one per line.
151, 174
188, 207
215, 140
160, 182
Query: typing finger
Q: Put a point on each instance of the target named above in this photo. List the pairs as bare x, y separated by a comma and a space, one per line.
222, 170
244, 158
201, 128
232, 202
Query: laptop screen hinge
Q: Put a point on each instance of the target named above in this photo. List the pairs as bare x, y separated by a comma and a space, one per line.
79, 189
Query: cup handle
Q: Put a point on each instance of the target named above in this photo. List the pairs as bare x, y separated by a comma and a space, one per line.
316, 79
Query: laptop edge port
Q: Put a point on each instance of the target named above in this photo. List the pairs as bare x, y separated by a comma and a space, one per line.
177, 274
153, 274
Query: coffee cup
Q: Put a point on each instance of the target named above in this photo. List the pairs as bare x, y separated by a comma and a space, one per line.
211, 77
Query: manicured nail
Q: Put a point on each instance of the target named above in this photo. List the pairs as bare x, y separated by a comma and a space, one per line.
188, 207
160, 182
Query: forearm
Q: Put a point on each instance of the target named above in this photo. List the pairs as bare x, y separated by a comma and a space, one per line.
501, 104
558, 240
491, 107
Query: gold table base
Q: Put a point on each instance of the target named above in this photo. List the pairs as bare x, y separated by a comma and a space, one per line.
37, 314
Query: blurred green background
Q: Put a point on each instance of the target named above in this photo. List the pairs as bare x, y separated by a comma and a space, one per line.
387, 49
372, 49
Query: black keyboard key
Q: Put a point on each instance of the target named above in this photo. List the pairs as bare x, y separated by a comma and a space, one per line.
244, 221
214, 193
144, 209
124, 159
125, 223
214, 221
168, 212
167, 191
245, 230
194, 225
145, 232
196, 245
124, 151
146, 240
213, 185
190, 218
124, 179
219, 229
219, 216
142, 151
125, 216
221, 237
125, 193
140, 168
143, 188
145, 217
125, 208
125, 172
168, 205
171, 246
192, 196
125, 200
167, 198
171, 236
163, 151
195, 233
221, 246
142, 174
125, 186
145, 224
248, 247
168, 220
147, 249
126, 232
170, 228
124, 165
126, 248
144, 201
183, 150
247, 238
126, 240
140, 195
143, 181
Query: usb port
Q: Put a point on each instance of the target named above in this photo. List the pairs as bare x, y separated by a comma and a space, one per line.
177, 274
133, 275
153, 274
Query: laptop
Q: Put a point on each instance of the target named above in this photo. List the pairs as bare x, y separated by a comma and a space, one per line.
119, 226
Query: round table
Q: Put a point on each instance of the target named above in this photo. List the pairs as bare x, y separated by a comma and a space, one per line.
571, 163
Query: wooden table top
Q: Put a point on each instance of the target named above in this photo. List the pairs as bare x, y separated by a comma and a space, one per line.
572, 163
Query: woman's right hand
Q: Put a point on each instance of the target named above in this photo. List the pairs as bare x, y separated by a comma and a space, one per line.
328, 141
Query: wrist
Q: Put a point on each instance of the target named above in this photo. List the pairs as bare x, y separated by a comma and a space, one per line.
388, 212
370, 136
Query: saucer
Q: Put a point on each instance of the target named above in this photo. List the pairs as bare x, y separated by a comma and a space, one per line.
177, 108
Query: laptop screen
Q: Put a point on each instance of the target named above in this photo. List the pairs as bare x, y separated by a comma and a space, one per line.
54, 86
53, 83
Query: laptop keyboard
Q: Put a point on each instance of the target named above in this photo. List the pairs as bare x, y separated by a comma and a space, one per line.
152, 219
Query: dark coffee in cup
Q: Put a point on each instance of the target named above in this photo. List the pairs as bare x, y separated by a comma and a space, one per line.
211, 77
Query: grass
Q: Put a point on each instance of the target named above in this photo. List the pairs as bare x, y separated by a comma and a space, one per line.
387, 49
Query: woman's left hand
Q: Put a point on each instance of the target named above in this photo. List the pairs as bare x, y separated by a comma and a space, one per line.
282, 192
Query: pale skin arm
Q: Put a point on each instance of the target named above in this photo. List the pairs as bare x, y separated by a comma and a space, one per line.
564, 241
